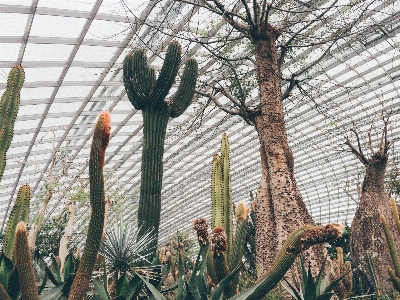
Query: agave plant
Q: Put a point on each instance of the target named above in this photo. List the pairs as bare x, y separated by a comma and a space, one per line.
123, 252
310, 289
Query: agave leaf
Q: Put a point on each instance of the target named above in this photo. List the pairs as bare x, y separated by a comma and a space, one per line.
53, 294
122, 288
291, 290
69, 267
196, 282
323, 285
219, 289
157, 295
6, 267
181, 277
100, 290
43, 285
319, 288
304, 276
50, 275
334, 283
56, 270
309, 288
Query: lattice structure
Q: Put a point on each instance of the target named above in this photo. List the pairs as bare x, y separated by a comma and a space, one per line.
72, 52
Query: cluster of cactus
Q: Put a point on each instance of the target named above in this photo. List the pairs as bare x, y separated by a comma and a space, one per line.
342, 268
226, 251
22, 255
393, 274
195, 287
148, 94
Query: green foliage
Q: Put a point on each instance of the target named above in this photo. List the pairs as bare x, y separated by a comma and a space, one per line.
311, 289
148, 94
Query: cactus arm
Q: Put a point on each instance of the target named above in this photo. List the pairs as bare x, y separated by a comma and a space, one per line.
227, 191
216, 192
23, 263
168, 73
185, 90
100, 141
8, 111
391, 246
23, 196
299, 240
395, 214
131, 69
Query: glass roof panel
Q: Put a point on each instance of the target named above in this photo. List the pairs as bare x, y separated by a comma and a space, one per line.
94, 54
47, 52
56, 26
81, 5
12, 24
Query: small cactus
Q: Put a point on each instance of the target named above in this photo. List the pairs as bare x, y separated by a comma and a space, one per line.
148, 94
100, 141
23, 263
20, 212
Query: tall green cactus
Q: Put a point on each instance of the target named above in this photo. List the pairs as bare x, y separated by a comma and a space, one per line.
8, 111
23, 263
227, 252
100, 141
20, 212
393, 274
148, 94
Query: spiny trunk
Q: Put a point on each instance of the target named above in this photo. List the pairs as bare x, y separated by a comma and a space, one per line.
366, 229
36, 224
279, 206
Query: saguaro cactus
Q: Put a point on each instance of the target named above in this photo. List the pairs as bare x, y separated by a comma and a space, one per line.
8, 111
148, 94
101, 138
20, 212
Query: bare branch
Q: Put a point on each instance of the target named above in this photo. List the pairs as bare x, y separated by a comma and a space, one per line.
221, 106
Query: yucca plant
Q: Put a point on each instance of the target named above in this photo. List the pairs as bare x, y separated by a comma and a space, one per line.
310, 289
122, 252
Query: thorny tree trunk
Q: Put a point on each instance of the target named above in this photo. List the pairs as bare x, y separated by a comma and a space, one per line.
38, 222
366, 229
63, 252
279, 206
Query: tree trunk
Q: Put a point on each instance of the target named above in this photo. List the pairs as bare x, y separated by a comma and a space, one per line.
36, 224
366, 229
279, 206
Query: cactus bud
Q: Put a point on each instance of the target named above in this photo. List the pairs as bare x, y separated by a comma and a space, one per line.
218, 240
201, 227
242, 211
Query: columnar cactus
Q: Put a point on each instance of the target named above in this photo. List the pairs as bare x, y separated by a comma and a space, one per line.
100, 141
393, 274
23, 263
8, 111
148, 94
222, 260
20, 212
342, 268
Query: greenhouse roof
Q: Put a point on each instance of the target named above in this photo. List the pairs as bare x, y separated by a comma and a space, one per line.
72, 52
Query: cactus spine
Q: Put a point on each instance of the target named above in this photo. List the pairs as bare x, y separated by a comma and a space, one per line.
100, 141
20, 212
148, 94
393, 274
8, 111
23, 263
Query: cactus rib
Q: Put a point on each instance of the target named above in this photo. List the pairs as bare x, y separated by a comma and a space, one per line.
147, 94
19, 210
8, 111
23, 263
100, 141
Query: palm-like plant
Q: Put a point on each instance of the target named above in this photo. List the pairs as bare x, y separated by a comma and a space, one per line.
123, 252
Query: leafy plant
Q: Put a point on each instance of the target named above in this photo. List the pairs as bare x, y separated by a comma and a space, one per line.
311, 289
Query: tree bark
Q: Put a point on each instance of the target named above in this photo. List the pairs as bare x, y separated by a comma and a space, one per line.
366, 230
279, 206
